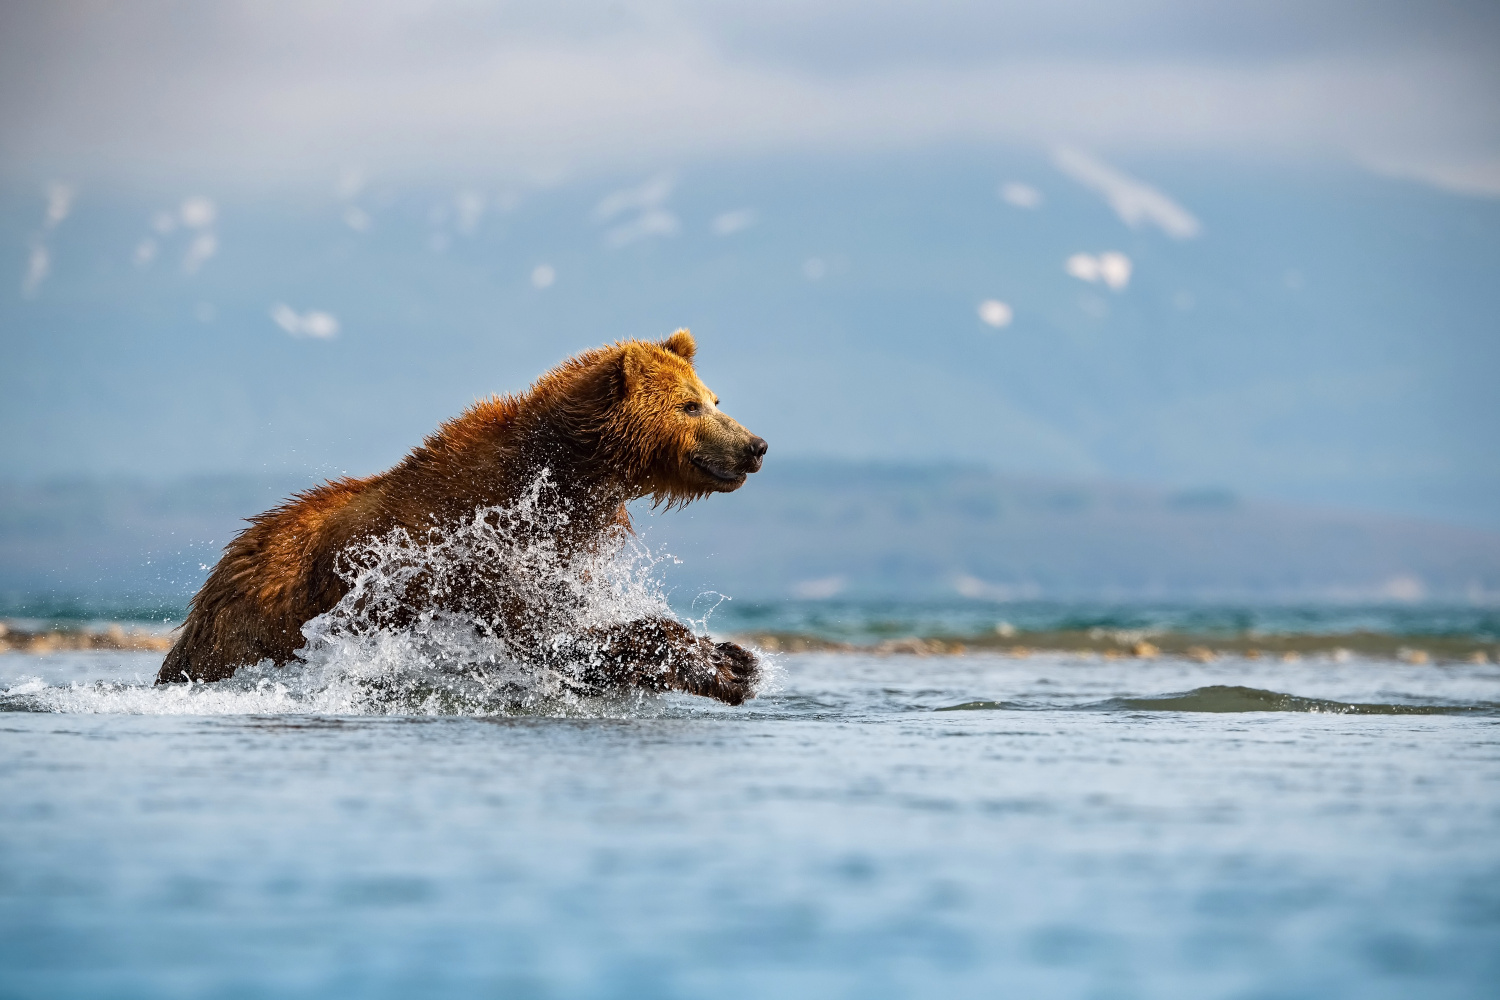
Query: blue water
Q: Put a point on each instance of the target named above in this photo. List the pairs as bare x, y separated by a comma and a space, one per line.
838, 837
866, 620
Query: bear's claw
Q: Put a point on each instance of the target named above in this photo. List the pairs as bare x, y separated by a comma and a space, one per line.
736, 671
658, 654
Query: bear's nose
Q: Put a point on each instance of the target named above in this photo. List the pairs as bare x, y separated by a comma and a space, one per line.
757, 447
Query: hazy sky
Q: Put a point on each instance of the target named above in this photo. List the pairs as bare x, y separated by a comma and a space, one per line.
1241, 244
551, 90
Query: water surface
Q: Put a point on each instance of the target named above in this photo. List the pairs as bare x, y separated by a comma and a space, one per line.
1080, 827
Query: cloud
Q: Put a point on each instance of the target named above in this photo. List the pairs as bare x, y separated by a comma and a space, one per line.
1479, 177
531, 89
313, 323
648, 196
1112, 267
1135, 202
350, 183
198, 212
1020, 195
38, 266
357, 219
195, 216
656, 222
469, 206
59, 203
39, 262
543, 276
993, 312
648, 200
203, 247
729, 223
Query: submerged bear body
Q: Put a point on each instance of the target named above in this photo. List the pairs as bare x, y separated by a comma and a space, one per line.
603, 428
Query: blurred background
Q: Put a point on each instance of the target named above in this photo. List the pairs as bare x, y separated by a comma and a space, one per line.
1143, 301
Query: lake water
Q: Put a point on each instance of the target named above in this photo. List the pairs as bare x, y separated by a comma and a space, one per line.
1077, 830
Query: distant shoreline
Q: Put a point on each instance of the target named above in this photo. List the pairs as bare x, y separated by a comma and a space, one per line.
112, 637
1148, 644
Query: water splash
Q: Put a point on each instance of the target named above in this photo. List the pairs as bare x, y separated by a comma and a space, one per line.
446, 621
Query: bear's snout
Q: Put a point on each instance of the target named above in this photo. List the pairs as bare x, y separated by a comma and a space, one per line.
755, 450
726, 452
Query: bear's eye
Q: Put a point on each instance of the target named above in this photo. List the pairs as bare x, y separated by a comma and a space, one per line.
692, 409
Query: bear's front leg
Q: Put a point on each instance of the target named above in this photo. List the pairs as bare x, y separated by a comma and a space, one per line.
658, 654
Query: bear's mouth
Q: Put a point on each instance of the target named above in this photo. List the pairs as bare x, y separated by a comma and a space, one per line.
713, 472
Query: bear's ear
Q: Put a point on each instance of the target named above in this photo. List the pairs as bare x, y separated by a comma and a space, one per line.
681, 344
632, 368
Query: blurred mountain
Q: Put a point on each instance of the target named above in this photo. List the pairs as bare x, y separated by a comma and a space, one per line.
830, 529
1321, 336
119, 546
815, 529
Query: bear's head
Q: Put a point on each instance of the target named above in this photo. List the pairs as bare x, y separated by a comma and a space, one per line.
667, 431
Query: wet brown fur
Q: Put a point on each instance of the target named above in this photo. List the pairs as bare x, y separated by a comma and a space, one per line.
611, 425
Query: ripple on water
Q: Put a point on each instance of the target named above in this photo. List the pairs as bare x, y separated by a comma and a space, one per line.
1238, 698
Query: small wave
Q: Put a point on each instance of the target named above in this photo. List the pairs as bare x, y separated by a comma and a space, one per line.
1235, 698
315, 689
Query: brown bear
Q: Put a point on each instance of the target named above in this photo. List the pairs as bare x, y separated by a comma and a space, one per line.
603, 428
